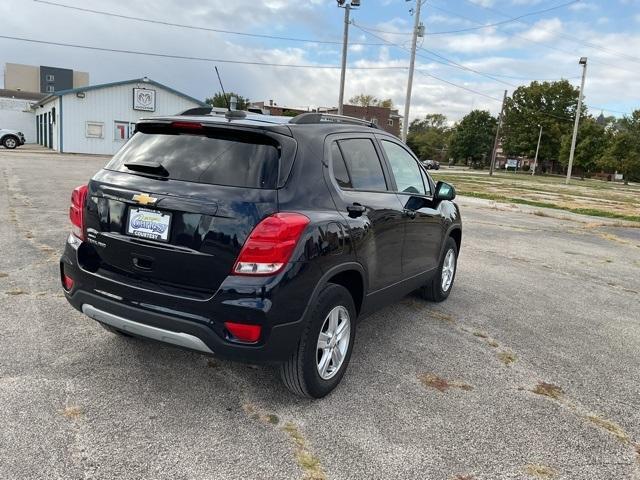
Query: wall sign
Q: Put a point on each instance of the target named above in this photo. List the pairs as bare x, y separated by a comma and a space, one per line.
144, 99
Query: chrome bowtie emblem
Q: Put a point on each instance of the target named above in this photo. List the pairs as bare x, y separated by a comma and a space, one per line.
144, 199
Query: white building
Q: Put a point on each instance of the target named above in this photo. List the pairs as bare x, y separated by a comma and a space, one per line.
98, 119
16, 112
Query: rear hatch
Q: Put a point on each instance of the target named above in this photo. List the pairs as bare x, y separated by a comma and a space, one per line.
172, 209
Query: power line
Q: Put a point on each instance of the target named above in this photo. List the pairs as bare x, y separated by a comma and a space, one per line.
184, 57
445, 61
193, 27
562, 34
462, 87
537, 42
503, 22
469, 29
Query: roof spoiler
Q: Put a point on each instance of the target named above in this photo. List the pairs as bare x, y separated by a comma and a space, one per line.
313, 117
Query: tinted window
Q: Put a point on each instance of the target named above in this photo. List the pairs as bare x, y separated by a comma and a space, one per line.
223, 160
425, 179
363, 164
405, 169
339, 168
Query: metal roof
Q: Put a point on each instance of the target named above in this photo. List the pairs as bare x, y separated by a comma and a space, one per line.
144, 80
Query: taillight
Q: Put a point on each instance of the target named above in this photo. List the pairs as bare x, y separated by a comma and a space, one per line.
270, 244
76, 210
244, 332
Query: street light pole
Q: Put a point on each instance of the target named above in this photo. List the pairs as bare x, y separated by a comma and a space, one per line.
345, 44
583, 62
535, 161
412, 63
492, 166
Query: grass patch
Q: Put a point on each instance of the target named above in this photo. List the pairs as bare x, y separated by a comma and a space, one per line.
480, 335
442, 385
609, 426
540, 471
309, 463
548, 390
493, 343
507, 357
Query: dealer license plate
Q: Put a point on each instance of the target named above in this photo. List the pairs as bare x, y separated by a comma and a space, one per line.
147, 223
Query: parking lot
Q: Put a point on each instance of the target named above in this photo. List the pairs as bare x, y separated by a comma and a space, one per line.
531, 369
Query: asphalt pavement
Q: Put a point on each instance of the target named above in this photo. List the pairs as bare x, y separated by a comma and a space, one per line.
531, 368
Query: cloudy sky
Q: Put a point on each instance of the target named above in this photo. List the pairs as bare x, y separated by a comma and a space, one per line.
469, 67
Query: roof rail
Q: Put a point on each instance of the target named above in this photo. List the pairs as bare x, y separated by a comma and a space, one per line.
313, 117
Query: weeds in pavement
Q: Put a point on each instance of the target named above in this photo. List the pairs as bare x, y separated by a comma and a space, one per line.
548, 390
441, 384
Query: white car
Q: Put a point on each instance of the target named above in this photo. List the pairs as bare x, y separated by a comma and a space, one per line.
11, 138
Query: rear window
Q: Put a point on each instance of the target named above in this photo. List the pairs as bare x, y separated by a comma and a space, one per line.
237, 160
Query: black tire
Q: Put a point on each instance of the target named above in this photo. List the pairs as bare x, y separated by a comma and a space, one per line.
10, 142
300, 372
115, 331
433, 289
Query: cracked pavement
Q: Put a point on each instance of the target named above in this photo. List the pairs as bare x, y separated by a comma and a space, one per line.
437, 391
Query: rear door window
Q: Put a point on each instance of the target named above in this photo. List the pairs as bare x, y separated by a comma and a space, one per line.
250, 161
363, 164
340, 172
405, 169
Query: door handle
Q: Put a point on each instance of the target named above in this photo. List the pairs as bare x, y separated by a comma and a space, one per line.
356, 210
410, 213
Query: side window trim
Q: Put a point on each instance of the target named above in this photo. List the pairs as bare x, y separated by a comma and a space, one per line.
380, 139
388, 178
346, 167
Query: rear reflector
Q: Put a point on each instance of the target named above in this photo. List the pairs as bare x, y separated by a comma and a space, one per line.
76, 210
67, 282
270, 245
244, 332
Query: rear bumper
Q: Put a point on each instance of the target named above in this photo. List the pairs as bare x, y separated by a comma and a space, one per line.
279, 307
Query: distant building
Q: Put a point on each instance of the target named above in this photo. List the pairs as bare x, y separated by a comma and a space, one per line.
384, 117
99, 119
601, 120
41, 79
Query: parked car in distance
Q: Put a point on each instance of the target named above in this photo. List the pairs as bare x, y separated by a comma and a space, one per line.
259, 238
11, 138
431, 164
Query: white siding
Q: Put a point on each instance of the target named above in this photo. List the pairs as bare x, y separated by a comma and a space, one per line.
108, 105
54, 122
15, 114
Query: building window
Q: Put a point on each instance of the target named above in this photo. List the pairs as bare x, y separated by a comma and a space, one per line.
51, 78
390, 122
51, 88
95, 130
122, 130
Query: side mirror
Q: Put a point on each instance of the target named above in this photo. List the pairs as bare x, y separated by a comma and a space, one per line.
444, 191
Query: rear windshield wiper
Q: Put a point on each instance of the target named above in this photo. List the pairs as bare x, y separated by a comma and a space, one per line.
153, 168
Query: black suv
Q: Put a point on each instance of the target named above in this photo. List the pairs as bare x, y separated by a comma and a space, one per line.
259, 238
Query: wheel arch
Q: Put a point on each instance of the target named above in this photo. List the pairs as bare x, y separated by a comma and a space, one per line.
350, 276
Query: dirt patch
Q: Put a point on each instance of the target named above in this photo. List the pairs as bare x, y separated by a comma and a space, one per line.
539, 471
548, 390
16, 291
3, 275
72, 412
442, 385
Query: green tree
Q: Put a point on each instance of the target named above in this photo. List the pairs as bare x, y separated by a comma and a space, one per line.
591, 145
429, 137
623, 154
218, 100
549, 104
473, 137
366, 100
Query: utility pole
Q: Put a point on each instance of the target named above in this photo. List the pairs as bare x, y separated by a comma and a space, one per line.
495, 142
417, 31
535, 160
345, 43
583, 62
